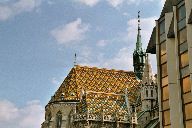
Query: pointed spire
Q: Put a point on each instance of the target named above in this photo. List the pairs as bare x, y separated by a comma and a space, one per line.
139, 55
148, 72
139, 21
139, 43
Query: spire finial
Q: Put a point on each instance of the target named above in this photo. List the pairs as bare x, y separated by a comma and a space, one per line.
75, 59
139, 43
139, 20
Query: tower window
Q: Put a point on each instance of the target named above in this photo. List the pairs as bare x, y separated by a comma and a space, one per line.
151, 93
59, 119
147, 93
77, 109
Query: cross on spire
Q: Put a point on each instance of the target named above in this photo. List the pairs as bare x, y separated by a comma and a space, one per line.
75, 59
139, 20
139, 43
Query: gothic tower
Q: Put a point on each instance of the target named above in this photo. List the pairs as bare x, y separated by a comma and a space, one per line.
148, 96
149, 87
139, 55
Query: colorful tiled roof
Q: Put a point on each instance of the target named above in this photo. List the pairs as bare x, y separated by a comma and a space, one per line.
98, 80
108, 103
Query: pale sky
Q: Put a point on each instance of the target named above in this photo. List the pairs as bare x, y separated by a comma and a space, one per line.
38, 40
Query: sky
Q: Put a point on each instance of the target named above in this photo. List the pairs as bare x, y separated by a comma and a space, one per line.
39, 39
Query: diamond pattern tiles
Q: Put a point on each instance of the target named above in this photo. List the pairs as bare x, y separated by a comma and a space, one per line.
98, 80
108, 103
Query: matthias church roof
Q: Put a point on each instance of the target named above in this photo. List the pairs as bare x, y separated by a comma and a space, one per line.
108, 103
97, 80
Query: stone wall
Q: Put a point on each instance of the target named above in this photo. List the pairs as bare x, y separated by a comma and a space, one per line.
51, 111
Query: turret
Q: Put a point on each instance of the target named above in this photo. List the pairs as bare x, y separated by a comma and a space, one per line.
149, 88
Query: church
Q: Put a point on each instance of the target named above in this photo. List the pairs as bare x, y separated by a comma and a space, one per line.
90, 97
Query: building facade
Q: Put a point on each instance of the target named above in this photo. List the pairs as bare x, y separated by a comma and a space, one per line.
171, 40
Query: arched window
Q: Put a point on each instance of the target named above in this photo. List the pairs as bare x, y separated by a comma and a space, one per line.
151, 93
146, 93
59, 119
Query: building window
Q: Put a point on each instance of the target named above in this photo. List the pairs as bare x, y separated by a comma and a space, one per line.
164, 70
166, 118
187, 111
186, 84
146, 93
162, 31
163, 48
59, 119
164, 81
181, 16
165, 93
184, 59
151, 93
188, 124
184, 64
163, 74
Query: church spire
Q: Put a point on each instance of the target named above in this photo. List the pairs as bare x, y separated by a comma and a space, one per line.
139, 43
148, 76
139, 54
75, 59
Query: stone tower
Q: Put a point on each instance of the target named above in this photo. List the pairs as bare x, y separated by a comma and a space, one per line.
148, 96
149, 88
139, 55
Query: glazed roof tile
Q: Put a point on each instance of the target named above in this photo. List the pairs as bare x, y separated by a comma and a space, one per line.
98, 80
108, 103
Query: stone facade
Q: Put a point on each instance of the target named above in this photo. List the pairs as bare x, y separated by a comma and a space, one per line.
59, 114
